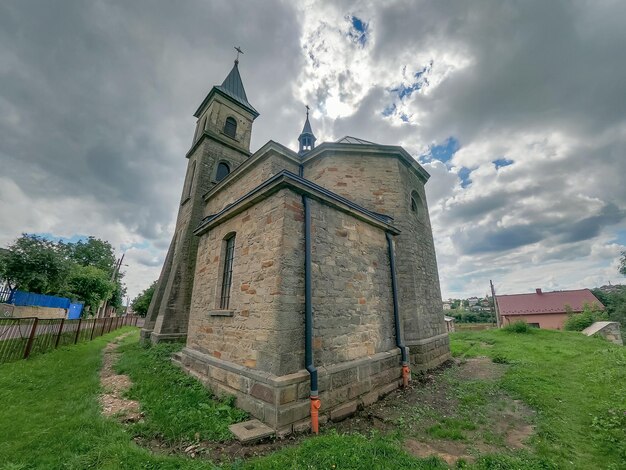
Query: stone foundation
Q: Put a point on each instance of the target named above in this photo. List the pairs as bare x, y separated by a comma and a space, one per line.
429, 353
283, 402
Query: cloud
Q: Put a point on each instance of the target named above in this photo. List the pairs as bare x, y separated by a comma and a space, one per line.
514, 109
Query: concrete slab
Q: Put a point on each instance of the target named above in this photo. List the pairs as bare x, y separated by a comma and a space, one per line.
251, 431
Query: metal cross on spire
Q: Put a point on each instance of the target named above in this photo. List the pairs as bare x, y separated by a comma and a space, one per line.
239, 51
307, 110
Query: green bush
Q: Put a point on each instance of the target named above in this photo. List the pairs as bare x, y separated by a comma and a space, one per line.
584, 319
518, 327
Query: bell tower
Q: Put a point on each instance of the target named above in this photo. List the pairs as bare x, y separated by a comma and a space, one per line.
306, 139
221, 142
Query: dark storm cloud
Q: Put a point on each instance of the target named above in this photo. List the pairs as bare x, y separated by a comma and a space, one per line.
103, 92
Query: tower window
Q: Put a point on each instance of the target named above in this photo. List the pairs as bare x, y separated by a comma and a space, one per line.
416, 203
227, 273
189, 183
230, 127
222, 171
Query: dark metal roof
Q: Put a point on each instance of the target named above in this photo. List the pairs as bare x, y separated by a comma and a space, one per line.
354, 140
232, 87
307, 127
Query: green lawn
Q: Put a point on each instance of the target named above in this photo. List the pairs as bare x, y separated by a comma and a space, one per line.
50, 415
576, 384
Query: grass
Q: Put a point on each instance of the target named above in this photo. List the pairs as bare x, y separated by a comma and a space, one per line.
51, 418
577, 385
177, 406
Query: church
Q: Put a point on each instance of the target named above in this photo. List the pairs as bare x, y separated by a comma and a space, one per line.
303, 283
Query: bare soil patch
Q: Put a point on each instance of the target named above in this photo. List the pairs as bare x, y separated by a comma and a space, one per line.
114, 385
221, 452
462, 394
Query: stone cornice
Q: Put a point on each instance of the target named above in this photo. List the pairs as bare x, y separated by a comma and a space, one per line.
221, 139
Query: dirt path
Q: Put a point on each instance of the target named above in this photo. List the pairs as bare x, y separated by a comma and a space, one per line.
114, 385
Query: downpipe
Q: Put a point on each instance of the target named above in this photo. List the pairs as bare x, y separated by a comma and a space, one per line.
406, 371
308, 319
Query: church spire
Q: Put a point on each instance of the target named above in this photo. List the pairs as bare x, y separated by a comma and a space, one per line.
306, 138
232, 87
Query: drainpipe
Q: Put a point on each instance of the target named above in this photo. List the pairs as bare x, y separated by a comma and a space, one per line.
406, 372
308, 319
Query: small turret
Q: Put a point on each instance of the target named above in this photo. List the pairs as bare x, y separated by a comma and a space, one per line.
306, 138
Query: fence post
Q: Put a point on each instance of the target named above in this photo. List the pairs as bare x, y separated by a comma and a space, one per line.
31, 338
56, 343
135, 321
93, 329
80, 320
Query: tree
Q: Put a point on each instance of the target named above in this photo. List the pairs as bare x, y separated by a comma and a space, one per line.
141, 303
90, 284
92, 252
35, 264
622, 264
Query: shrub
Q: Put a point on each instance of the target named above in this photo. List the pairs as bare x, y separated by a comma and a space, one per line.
584, 319
518, 327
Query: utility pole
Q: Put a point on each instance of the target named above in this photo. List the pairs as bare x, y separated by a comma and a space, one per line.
495, 303
116, 270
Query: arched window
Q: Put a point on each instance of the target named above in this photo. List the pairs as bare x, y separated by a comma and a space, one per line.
222, 171
230, 127
227, 271
416, 203
189, 183
200, 128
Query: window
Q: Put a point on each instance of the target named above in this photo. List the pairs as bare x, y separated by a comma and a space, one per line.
222, 171
230, 127
200, 128
416, 203
189, 183
227, 274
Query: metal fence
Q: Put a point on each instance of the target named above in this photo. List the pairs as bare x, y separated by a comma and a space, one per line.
20, 338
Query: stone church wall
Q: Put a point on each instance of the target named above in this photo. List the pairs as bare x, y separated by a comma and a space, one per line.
243, 333
384, 184
352, 302
257, 354
251, 178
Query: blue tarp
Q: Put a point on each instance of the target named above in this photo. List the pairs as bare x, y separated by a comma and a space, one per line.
74, 311
27, 299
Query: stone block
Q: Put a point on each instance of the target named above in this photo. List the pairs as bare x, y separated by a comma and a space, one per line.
290, 414
288, 394
359, 388
250, 431
343, 411
344, 377
263, 392
370, 398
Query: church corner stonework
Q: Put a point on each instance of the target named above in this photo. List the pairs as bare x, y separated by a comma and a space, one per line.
233, 282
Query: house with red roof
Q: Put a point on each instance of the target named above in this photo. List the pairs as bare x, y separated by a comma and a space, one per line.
544, 309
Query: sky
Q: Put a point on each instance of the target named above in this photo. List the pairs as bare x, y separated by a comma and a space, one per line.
516, 109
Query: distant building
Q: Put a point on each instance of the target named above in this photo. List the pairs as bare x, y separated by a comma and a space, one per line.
447, 305
472, 301
611, 288
544, 309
